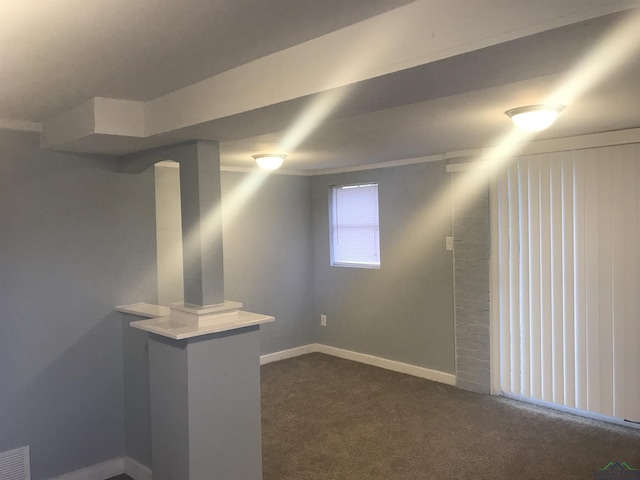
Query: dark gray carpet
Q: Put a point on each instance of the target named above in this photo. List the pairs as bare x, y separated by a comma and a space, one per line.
325, 418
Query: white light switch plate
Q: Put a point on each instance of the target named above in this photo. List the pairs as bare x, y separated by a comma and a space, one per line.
449, 243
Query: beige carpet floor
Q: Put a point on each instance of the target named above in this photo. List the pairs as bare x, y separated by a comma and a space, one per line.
325, 418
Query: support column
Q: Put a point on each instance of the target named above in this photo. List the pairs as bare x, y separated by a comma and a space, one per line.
205, 407
204, 355
202, 225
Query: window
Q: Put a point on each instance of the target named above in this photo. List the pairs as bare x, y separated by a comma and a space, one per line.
355, 237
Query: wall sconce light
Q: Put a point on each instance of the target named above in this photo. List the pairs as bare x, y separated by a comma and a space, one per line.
269, 161
534, 118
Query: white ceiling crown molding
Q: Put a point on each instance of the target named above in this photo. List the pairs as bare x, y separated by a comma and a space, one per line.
19, 125
375, 166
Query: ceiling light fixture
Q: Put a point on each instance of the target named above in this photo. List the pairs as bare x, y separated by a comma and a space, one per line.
534, 118
269, 161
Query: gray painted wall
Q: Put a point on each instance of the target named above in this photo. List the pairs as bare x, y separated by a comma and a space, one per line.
77, 238
268, 256
404, 310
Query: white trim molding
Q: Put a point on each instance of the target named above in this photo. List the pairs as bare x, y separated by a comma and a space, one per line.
110, 468
375, 166
387, 364
20, 125
100, 471
476, 159
136, 470
416, 371
290, 353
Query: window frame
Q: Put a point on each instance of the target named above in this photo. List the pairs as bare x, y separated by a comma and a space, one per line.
333, 189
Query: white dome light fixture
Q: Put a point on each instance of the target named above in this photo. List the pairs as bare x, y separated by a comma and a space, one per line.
269, 161
534, 118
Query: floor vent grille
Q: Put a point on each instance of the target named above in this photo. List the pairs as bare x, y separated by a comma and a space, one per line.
14, 464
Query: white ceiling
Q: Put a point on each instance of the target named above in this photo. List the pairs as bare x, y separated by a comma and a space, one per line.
57, 54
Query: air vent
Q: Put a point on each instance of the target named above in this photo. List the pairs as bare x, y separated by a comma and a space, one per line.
14, 464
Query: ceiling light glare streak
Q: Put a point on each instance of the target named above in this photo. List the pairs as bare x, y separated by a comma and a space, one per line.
428, 223
310, 119
612, 52
355, 58
227, 212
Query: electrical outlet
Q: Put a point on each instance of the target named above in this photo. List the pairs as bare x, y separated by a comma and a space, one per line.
323, 320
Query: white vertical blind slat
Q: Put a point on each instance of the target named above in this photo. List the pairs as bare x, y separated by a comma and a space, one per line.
546, 331
619, 245
525, 317
514, 285
580, 284
569, 240
592, 235
505, 327
556, 284
568, 284
605, 275
535, 343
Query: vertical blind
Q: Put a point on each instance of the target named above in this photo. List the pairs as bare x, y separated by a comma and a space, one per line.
355, 238
569, 279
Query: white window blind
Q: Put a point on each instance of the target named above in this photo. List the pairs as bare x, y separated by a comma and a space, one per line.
355, 238
569, 276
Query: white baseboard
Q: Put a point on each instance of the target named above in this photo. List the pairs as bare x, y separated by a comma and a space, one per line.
387, 364
100, 471
136, 470
292, 352
110, 468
